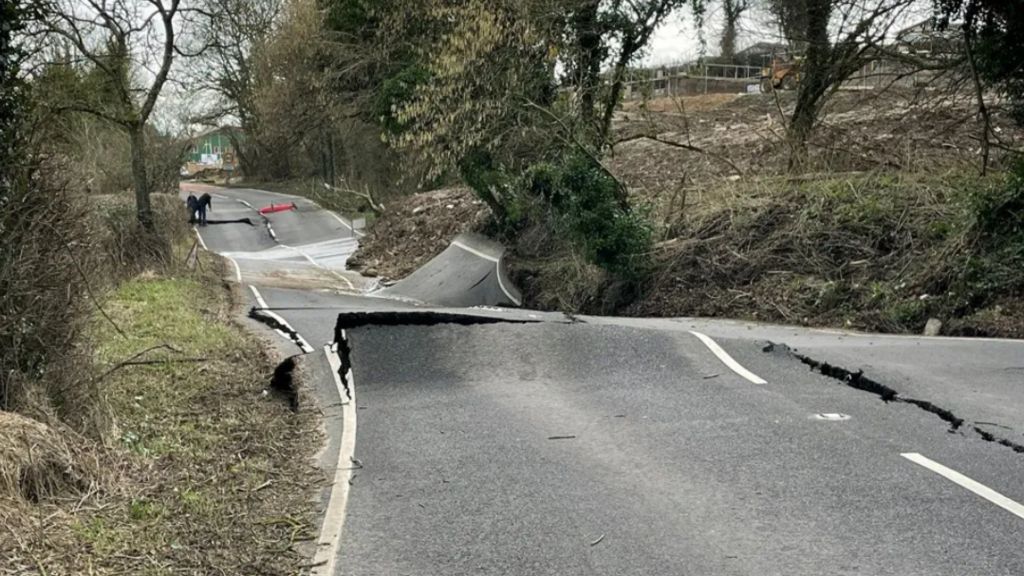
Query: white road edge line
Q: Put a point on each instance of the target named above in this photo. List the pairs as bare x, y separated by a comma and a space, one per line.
302, 343
238, 270
727, 359
344, 223
497, 262
334, 518
259, 297
965, 482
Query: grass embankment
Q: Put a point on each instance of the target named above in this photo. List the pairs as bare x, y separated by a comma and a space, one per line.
881, 252
206, 475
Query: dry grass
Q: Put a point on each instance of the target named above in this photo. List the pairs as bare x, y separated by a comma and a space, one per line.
38, 462
875, 252
214, 477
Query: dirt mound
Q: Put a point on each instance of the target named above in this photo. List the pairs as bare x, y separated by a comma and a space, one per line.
415, 229
37, 463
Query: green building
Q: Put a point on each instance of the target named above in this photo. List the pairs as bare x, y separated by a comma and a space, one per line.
213, 148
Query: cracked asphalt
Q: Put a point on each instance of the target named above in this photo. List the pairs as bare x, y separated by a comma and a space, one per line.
627, 446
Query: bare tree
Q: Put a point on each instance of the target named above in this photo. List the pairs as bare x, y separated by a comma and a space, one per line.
133, 45
228, 69
840, 37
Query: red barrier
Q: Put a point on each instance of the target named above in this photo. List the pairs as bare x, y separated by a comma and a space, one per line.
277, 208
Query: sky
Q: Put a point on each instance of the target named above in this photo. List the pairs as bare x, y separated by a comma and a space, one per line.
678, 39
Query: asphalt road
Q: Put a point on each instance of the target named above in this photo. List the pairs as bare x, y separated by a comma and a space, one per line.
541, 445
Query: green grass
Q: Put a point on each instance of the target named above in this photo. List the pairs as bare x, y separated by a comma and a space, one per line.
155, 311
198, 436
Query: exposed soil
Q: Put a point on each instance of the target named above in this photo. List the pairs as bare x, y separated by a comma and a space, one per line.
415, 229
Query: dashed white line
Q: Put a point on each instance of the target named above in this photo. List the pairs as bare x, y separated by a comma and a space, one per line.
727, 359
312, 261
978, 488
334, 518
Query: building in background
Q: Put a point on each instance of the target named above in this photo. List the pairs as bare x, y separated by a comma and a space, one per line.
213, 149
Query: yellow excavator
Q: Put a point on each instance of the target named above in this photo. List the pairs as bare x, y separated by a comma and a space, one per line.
782, 74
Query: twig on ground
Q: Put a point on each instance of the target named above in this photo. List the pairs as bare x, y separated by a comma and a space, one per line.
133, 358
689, 147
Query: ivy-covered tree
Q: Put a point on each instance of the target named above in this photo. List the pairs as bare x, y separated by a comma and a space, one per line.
10, 88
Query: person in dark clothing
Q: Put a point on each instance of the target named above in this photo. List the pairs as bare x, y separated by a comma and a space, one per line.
205, 203
193, 205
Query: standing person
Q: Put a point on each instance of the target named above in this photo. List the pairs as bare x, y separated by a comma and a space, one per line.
193, 205
205, 203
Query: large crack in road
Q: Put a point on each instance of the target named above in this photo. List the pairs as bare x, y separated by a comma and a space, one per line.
857, 380
351, 320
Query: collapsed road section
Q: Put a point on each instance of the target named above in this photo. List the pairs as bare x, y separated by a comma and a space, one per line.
470, 272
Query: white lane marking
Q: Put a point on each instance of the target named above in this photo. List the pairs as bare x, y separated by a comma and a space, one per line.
476, 252
345, 224
238, 270
334, 518
301, 342
259, 297
497, 263
200, 236
727, 359
309, 258
965, 482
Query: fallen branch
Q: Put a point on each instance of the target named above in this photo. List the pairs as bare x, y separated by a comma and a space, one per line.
376, 207
132, 360
689, 147
165, 361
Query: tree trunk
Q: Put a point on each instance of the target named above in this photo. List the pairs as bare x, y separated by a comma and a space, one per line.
815, 79
137, 138
588, 39
612, 101
731, 9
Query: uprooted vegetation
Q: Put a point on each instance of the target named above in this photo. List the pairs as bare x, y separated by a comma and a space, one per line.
870, 236
875, 252
415, 229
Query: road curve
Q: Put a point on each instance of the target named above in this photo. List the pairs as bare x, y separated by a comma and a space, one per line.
539, 445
